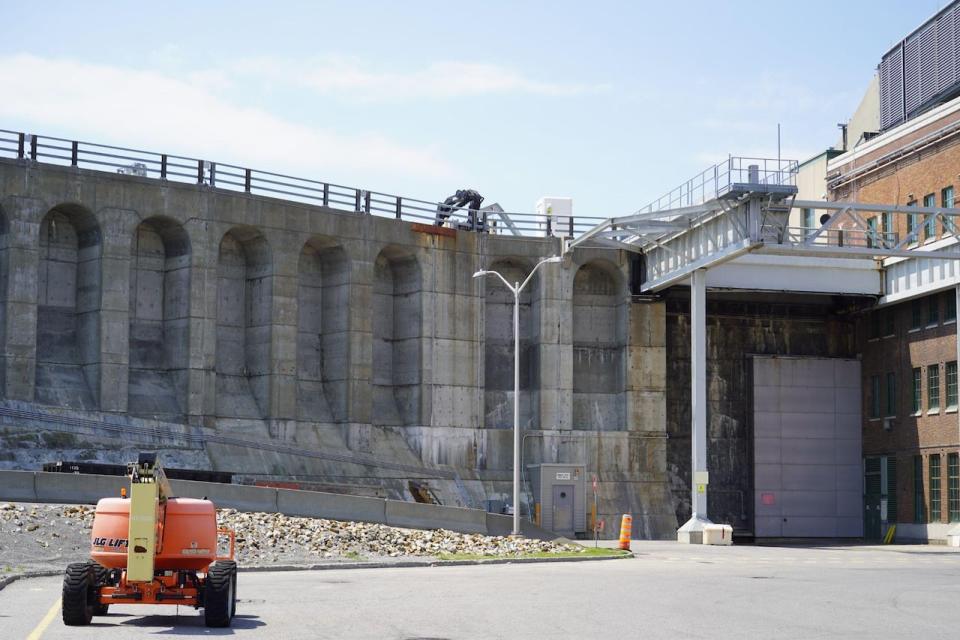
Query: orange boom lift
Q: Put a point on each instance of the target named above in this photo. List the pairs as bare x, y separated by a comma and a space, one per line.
152, 548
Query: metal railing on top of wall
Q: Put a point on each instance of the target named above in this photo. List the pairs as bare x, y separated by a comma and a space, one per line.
721, 178
163, 166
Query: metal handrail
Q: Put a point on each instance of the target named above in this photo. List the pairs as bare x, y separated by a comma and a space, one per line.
720, 178
170, 167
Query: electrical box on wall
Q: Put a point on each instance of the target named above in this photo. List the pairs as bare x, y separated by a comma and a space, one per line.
560, 497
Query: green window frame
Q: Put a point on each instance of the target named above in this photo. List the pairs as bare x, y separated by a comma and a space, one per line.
934, 487
872, 232
933, 388
918, 504
933, 311
950, 373
950, 306
875, 396
891, 394
946, 201
930, 226
886, 224
953, 486
911, 219
916, 390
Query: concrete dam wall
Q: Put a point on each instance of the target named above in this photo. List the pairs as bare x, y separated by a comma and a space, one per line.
285, 341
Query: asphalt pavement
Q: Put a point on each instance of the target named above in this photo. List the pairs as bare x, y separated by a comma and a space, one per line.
667, 591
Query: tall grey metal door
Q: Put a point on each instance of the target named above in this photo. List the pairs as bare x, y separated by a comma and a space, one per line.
563, 508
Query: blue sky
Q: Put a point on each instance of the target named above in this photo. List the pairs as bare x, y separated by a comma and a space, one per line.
610, 103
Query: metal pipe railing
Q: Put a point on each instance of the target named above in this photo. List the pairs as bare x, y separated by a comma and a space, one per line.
167, 167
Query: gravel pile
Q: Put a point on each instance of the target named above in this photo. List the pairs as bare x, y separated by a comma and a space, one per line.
48, 536
267, 534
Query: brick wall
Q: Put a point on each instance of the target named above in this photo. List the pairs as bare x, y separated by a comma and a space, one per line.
910, 433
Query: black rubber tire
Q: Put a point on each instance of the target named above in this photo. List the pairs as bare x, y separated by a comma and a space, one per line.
218, 595
102, 579
78, 582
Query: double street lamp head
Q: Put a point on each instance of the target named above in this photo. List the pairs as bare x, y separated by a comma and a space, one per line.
551, 259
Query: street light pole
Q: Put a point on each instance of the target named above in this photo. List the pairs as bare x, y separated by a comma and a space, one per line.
516, 289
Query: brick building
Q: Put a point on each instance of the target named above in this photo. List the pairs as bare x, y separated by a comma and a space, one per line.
908, 342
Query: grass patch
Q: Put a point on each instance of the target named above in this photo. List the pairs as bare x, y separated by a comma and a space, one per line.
588, 552
353, 555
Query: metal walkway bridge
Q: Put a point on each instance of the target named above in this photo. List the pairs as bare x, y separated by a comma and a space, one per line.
729, 228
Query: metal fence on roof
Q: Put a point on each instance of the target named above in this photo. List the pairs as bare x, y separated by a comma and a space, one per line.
219, 175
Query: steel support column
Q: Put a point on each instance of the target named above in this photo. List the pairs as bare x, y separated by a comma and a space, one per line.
692, 530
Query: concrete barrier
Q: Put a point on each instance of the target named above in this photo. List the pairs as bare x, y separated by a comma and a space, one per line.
228, 496
18, 486
70, 487
499, 525
335, 506
432, 516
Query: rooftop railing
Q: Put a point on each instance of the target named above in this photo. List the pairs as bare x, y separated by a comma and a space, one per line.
722, 177
219, 175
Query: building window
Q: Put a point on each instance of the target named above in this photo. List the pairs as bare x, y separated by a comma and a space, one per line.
935, 487
915, 404
911, 219
953, 486
946, 201
890, 319
933, 311
930, 226
806, 221
916, 314
918, 515
951, 375
875, 396
886, 224
872, 232
873, 326
933, 388
891, 394
950, 306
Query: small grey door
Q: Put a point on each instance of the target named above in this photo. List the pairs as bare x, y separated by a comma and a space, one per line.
563, 508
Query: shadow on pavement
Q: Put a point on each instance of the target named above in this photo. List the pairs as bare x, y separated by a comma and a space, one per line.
193, 625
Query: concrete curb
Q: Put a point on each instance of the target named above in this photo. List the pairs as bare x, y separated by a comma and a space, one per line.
409, 564
403, 564
10, 579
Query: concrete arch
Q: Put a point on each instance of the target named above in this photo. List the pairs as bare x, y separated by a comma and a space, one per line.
499, 343
599, 347
159, 319
244, 323
323, 297
397, 322
69, 292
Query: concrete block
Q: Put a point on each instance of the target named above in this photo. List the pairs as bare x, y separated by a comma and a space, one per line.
718, 534
431, 516
232, 496
77, 489
18, 486
313, 504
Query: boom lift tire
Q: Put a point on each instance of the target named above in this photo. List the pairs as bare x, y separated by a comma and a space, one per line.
79, 585
102, 579
219, 594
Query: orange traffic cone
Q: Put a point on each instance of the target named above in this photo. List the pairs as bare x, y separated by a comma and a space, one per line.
626, 526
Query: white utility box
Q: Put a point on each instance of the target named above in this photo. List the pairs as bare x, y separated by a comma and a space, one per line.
718, 534
560, 212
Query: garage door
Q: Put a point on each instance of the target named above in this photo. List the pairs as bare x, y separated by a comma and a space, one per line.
807, 448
